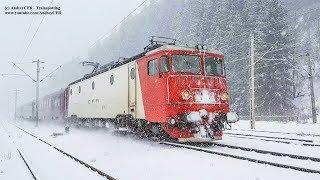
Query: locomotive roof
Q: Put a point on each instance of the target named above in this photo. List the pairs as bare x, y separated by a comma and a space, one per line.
117, 64
146, 53
182, 48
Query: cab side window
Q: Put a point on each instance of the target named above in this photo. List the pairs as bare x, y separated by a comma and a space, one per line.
152, 67
164, 64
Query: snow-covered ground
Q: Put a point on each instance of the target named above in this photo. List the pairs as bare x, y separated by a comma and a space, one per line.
292, 130
127, 157
11, 164
292, 127
46, 162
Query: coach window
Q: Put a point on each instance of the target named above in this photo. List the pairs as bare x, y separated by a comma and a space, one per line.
152, 67
111, 79
164, 64
92, 85
79, 89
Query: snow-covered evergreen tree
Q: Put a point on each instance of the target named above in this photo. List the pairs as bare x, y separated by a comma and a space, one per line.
274, 71
234, 44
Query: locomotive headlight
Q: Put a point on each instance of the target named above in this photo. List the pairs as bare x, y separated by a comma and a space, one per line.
186, 95
224, 96
172, 121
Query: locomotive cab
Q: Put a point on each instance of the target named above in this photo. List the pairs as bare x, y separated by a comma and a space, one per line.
186, 92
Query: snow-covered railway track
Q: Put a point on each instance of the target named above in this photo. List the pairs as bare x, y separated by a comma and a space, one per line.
255, 160
294, 156
276, 141
27, 165
279, 132
101, 173
304, 142
21, 155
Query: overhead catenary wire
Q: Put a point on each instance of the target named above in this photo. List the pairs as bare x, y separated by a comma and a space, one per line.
12, 74
34, 34
26, 34
51, 73
24, 72
107, 34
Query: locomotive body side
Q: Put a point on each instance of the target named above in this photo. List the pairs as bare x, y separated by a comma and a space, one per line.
107, 95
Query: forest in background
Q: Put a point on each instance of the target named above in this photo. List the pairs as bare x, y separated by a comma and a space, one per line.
284, 31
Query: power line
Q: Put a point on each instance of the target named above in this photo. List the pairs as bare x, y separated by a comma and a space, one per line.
37, 81
9, 74
51, 73
106, 34
35, 33
24, 72
26, 34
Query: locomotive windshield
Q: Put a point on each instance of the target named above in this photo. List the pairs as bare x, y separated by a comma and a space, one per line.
186, 64
214, 66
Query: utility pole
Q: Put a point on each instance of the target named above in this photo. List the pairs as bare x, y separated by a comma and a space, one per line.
37, 81
15, 103
252, 104
318, 34
311, 75
37, 91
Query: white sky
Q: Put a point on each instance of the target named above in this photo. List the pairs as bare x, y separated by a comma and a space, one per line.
59, 38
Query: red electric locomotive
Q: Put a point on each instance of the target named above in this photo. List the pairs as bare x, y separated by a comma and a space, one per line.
179, 91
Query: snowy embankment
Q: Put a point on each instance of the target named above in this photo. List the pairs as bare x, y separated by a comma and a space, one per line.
126, 157
11, 164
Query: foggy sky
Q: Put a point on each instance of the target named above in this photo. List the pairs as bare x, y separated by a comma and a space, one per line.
59, 39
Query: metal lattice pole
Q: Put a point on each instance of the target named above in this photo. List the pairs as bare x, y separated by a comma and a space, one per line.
37, 91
